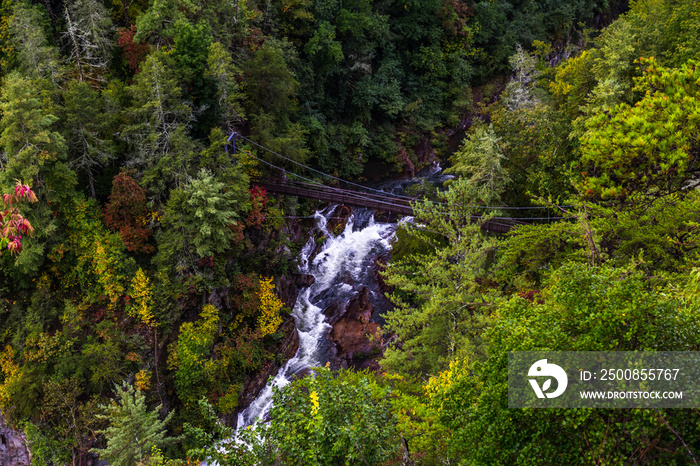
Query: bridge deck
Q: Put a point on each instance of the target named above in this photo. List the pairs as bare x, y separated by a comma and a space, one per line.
369, 201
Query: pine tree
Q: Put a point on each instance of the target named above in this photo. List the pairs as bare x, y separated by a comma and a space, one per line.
479, 161
35, 56
441, 297
215, 211
518, 93
199, 221
88, 148
27, 137
157, 25
157, 134
221, 70
133, 430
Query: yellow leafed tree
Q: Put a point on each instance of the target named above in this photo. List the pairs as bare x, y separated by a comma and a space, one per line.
269, 318
142, 297
11, 373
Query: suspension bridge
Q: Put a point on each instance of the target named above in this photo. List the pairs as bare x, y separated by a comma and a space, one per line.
362, 196
354, 198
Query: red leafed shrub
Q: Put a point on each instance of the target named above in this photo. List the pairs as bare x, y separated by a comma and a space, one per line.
127, 213
134, 54
207, 261
12, 224
258, 199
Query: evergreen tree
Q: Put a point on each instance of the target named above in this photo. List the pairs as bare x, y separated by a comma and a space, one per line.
133, 430
650, 148
88, 148
270, 84
200, 221
162, 149
27, 138
214, 211
35, 56
479, 160
441, 303
222, 71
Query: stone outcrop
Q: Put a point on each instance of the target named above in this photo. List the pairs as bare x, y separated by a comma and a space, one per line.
356, 338
304, 280
13, 447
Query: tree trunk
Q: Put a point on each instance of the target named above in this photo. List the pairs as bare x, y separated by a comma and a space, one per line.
125, 10
407, 461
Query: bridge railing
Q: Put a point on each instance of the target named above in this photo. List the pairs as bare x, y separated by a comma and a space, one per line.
366, 200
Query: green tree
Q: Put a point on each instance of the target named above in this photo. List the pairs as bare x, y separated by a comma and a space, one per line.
200, 221
133, 430
27, 138
538, 152
191, 46
269, 85
649, 148
74, 420
158, 23
580, 309
222, 71
331, 417
480, 161
35, 56
214, 210
193, 369
442, 302
89, 148
162, 148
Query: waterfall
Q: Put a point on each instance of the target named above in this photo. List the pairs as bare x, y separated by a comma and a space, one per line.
341, 268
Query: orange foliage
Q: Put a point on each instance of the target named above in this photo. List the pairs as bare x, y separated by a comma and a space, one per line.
127, 213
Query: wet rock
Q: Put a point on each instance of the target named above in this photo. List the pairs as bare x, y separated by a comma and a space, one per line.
304, 280
387, 217
337, 222
13, 447
284, 251
357, 340
287, 290
333, 312
425, 153
294, 231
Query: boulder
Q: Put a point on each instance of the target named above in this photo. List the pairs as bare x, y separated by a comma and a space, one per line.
287, 290
357, 340
304, 280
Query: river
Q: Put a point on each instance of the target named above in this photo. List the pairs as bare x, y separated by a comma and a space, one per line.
341, 269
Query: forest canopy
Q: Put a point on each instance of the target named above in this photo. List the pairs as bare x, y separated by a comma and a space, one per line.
143, 270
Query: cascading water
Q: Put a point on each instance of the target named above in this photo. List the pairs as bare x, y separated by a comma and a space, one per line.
341, 267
